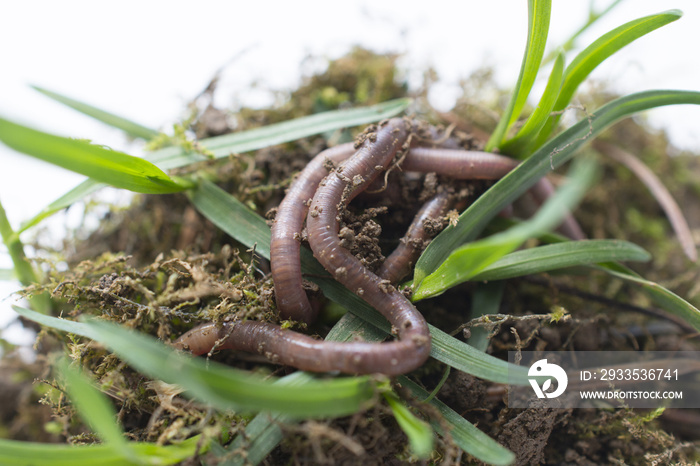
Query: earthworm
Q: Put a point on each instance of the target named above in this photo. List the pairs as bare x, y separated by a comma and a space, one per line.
291, 348
413, 345
471, 165
286, 231
303, 352
398, 264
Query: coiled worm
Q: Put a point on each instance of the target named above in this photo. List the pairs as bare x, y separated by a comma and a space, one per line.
352, 177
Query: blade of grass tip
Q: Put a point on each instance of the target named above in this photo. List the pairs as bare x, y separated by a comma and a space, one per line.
131, 128
593, 55
663, 297
22, 268
593, 17
548, 157
539, 12
562, 255
516, 146
468, 260
94, 408
486, 300
76, 194
420, 435
278, 133
19, 453
467, 436
237, 220
658, 190
64, 325
173, 157
112, 167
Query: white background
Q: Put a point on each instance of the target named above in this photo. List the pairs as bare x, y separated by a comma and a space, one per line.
146, 59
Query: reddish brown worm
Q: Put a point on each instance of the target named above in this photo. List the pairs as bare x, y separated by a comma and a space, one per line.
288, 347
400, 262
413, 345
292, 302
291, 348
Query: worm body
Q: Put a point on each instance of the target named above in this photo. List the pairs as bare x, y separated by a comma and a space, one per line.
329, 195
399, 263
292, 301
338, 189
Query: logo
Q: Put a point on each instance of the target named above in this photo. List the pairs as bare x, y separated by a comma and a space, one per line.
542, 368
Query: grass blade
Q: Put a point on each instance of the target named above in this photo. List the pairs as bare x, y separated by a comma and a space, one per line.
536, 121
593, 16
486, 300
554, 153
76, 194
222, 146
470, 259
94, 409
278, 133
539, 12
663, 297
465, 434
16, 453
215, 384
22, 268
131, 128
561, 255
593, 55
419, 433
227, 388
104, 165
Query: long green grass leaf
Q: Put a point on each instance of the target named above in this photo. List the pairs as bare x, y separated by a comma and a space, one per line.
229, 214
222, 146
554, 153
227, 388
663, 297
64, 325
539, 12
107, 166
593, 55
131, 128
419, 433
218, 385
465, 434
94, 408
468, 260
562, 255
593, 16
536, 121
22, 268
278, 133
486, 300
76, 194
16, 453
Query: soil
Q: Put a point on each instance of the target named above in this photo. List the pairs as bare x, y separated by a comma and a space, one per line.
210, 277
